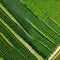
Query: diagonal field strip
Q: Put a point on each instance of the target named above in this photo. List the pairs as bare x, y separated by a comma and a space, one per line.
7, 40
11, 16
8, 19
6, 48
22, 41
27, 33
18, 46
31, 4
21, 20
31, 24
11, 23
42, 16
34, 5
47, 33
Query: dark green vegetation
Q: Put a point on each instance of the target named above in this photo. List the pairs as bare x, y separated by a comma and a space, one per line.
17, 53
34, 26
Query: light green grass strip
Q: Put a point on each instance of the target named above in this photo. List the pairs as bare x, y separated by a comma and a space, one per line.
43, 17
39, 10
1, 59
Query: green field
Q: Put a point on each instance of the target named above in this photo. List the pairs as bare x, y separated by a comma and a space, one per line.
29, 29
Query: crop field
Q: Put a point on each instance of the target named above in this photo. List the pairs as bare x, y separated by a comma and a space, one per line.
29, 29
